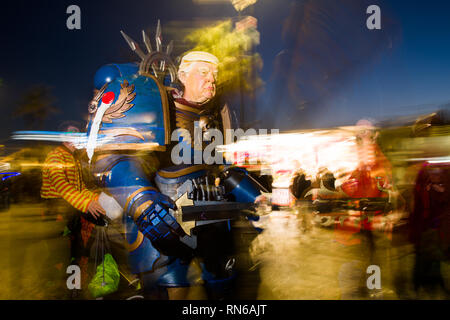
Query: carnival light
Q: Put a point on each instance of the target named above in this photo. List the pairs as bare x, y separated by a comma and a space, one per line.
240, 5
310, 152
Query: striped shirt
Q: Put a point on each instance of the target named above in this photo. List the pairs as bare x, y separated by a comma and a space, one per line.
62, 178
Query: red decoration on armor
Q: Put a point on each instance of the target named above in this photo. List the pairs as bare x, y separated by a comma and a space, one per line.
108, 97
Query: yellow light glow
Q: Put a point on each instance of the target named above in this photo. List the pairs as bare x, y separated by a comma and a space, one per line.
240, 5
232, 47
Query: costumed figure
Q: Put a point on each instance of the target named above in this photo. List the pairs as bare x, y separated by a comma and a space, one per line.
139, 123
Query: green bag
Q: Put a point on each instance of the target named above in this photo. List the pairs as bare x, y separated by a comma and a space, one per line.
106, 279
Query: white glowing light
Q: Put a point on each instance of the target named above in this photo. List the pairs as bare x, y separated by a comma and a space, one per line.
443, 160
79, 140
431, 159
335, 150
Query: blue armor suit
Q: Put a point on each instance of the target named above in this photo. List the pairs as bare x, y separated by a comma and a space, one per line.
132, 164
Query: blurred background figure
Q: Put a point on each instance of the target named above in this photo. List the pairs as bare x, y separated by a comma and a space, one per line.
374, 173
371, 179
430, 223
430, 226
299, 184
370, 182
66, 195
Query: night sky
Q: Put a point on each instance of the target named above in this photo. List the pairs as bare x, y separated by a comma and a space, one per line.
322, 66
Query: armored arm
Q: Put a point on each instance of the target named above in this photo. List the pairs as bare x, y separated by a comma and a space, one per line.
149, 209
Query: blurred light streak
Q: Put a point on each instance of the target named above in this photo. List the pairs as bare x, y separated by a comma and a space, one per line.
6, 175
439, 160
79, 139
4, 166
311, 152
